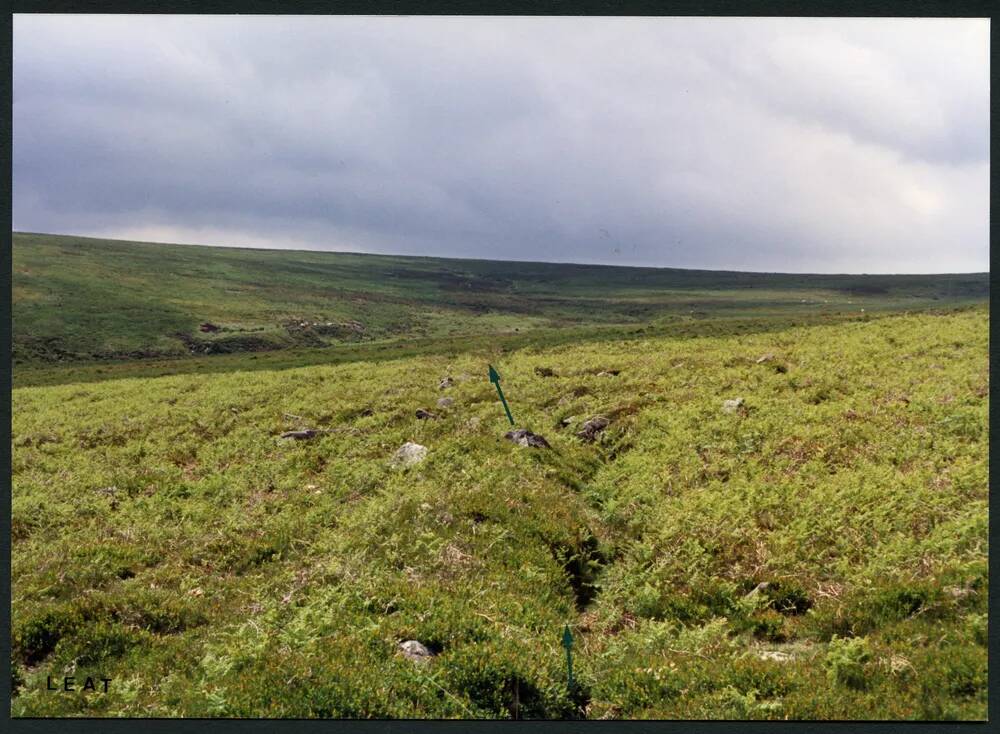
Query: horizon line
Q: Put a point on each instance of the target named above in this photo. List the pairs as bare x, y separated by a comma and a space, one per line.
483, 259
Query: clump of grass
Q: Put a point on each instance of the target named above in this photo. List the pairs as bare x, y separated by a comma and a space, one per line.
846, 662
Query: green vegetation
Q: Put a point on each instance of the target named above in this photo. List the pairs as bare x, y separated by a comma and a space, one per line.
818, 552
85, 300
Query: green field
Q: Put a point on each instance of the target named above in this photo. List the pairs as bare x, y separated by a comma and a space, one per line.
167, 538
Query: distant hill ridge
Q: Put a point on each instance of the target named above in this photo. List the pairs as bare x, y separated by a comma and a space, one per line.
78, 298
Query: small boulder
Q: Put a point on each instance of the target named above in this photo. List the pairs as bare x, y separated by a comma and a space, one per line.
776, 656
765, 358
445, 402
609, 373
409, 454
731, 406
592, 427
445, 383
415, 651
425, 415
300, 435
526, 438
959, 592
544, 372
567, 421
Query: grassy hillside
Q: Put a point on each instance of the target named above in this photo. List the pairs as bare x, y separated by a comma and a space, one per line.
164, 536
78, 299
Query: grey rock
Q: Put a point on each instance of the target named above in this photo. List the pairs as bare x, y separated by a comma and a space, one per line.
526, 438
445, 383
765, 358
409, 454
425, 415
592, 427
415, 651
609, 373
731, 406
959, 592
300, 435
445, 402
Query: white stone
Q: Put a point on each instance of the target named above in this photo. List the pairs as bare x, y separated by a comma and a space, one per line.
409, 454
731, 406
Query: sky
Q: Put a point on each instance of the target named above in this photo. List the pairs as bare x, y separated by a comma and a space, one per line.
794, 145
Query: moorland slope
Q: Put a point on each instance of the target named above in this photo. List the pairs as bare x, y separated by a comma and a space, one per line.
818, 550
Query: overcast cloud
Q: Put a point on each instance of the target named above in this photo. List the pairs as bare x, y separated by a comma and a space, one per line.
809, 145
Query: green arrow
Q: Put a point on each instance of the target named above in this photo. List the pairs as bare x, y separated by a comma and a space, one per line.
567, 641
495, 379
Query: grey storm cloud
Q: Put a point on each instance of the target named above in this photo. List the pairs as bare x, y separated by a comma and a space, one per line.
821, 145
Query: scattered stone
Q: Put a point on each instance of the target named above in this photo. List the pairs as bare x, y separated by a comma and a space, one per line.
445, 402
208, 327
526, 438
425, 415
592, 427
409, 454
446, 383
609, 373
775, 655
959, 592
568, 420
300, 435
544, 372
731, 406
765, 358
415, 651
